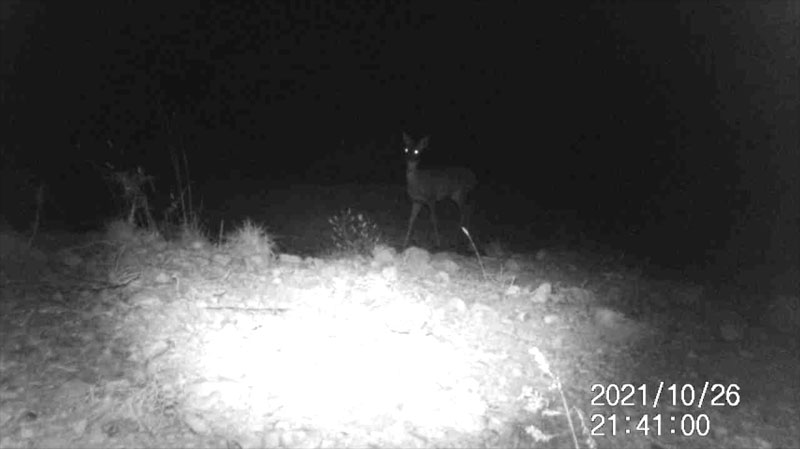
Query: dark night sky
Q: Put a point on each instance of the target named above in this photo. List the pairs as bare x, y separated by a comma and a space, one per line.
676, 117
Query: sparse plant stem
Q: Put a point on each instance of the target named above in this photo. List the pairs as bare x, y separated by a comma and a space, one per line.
544, 365
184, 197
37, 219
590, 443
475, 248
188, 176
176, 167
180, 165
566, 410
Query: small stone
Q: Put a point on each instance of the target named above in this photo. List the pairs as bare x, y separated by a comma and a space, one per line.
550, 319
389, 273
416, 256
542, 293
457, 304
163, 278
383, 254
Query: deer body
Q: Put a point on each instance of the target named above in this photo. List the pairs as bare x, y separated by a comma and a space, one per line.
429, 186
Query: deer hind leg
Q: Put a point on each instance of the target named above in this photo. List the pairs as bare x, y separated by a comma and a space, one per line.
415, 208
466, 207
463, 208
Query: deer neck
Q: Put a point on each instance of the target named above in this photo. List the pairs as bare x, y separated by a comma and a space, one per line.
411, 170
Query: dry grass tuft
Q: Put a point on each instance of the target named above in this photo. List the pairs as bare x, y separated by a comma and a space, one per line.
251, 239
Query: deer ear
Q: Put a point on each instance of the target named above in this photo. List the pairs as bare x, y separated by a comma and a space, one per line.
424, 142
407, 139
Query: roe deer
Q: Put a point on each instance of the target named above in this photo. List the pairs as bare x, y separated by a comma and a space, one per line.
428, 186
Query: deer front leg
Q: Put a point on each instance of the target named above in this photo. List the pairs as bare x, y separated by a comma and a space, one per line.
415, 207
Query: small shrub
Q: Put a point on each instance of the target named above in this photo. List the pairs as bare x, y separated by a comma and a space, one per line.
354, 232
194, 232
252, 239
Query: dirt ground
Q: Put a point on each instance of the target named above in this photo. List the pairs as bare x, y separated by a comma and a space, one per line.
117, 340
